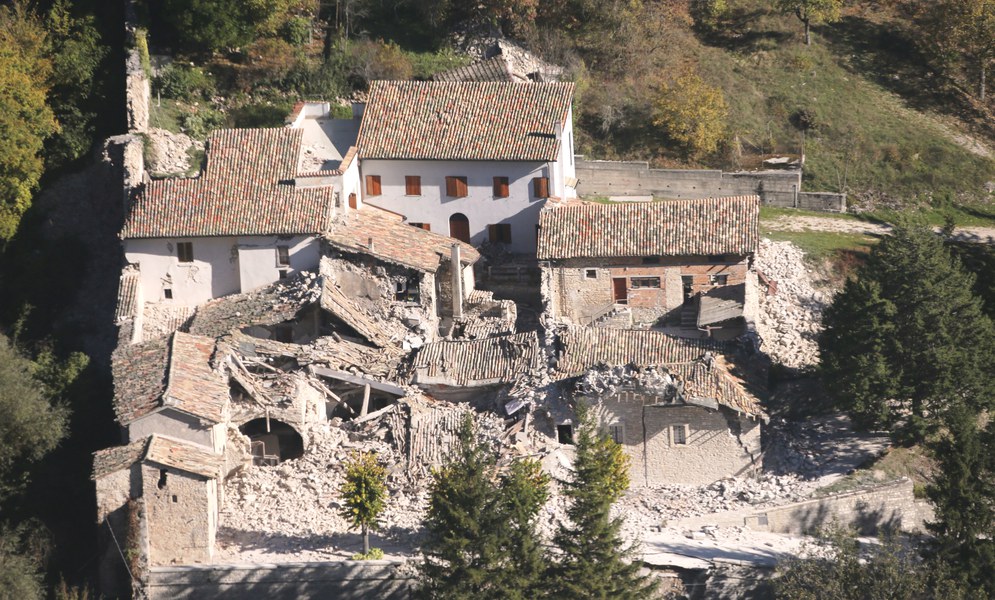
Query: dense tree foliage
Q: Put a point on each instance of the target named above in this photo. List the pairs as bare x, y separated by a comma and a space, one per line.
837, 568
692, 114
595, 564
364, 494
968, 40
25, 117
482, 541
213, 25
906, 339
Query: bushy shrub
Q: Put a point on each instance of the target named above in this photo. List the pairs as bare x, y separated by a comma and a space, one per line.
296, 31
692, 113
199, 123
185, 82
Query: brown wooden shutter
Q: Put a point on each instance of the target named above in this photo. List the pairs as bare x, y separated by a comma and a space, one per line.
372, 185
540, 187
352, 200
412, 185
500, 187
493, 235
461, 187
426, 226
451, 187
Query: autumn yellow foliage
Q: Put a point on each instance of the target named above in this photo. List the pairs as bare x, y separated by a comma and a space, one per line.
692, 113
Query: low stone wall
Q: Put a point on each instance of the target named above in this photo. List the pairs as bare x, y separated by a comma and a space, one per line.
890, 506
776, 188
343, 580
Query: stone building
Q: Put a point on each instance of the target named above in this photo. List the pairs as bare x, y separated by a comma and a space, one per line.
673, 403
474, 160
160, 494
652, 263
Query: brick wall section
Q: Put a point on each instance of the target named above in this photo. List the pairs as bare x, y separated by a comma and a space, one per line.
890, 505
713, 450
578, 296
777, 188
180, 530
345, 580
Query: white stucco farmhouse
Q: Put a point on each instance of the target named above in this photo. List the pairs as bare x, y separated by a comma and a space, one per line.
474, 160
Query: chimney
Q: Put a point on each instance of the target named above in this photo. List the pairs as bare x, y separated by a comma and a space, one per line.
372, 249
558, 129
457, 282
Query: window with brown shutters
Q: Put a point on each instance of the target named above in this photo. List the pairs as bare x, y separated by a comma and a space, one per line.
540, 187
500, 187
412, 185
425, 226
372, 185
456, 186
499, 233
184, 251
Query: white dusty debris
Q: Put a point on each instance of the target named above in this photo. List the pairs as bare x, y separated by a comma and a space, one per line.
169, 153
790, 319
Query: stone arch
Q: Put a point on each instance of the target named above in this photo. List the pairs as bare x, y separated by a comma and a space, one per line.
273, 441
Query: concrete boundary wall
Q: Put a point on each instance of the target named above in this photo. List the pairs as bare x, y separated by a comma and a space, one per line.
342, 580
776, 188
889, 506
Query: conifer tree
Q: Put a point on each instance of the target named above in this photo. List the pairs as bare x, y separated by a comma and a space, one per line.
594, 564
524, 490
463, 545
963, 495
908, 340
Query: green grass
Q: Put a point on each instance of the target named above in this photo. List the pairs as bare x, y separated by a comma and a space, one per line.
770, 213
820, 246
166, 115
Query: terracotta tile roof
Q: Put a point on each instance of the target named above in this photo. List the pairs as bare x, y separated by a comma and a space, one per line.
113, 459
163, 450
582, 348
270, 305
715, 384
127, 294
184, 456
665, 228
394, 241
168, 372
492, 69
246, 189
454, 120
139, 372
489, 361
335, 301
193, 386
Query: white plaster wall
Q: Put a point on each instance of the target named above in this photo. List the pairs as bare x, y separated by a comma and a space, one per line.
217, 269
174, 424
520, 209
257, 259
352, 184
565, 161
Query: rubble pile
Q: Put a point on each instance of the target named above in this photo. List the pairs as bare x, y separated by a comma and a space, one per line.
169, 153
790, 319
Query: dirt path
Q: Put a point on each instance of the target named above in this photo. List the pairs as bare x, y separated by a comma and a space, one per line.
980, 235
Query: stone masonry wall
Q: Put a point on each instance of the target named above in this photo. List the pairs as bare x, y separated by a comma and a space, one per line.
713, 451
578, 295
344, 580
777, 188
888, 506
179, 517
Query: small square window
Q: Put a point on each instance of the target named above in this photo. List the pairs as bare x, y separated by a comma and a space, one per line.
500, 187
680, 434
644, 282
167, 293
412, 185
718, 279
499, 233
456, 186
283, 256
283, 273
565, 433
373, 185
175, 499
591, 273
184, 251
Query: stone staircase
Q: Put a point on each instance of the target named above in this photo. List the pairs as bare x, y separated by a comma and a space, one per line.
618, 317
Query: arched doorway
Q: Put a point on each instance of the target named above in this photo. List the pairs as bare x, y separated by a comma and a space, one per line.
459, 227
273, 441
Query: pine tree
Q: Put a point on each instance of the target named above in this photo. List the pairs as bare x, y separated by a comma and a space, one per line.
908, 341
463, 547
364, 492
524, 490
963, 495
594, 564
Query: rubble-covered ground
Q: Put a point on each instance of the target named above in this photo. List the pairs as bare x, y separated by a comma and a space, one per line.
290, 512
790, 319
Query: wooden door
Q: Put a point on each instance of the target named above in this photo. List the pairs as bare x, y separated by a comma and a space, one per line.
619, 290
459, 227
352, 200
